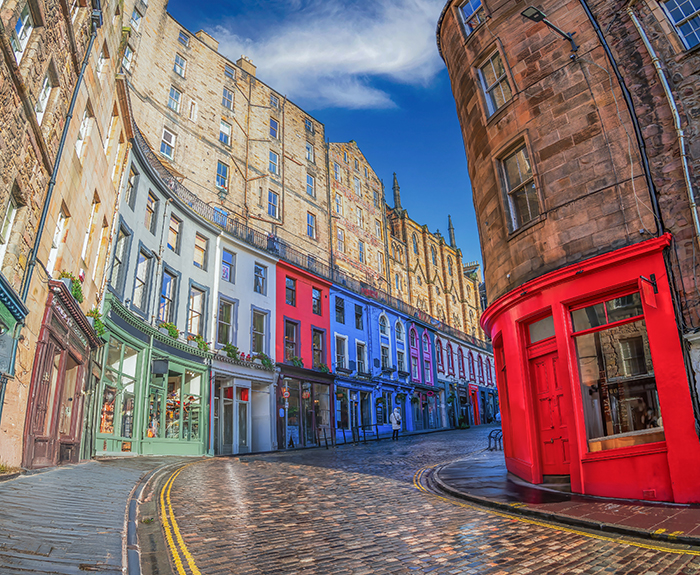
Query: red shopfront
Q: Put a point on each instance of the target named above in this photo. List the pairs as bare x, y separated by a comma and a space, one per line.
592, 379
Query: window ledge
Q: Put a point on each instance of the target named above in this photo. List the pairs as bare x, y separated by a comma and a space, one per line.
539, 219
498, 114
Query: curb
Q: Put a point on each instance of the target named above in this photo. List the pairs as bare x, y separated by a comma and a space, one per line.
554, 517
10, 476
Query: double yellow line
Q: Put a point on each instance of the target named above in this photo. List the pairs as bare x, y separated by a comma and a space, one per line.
173, 536
418, 484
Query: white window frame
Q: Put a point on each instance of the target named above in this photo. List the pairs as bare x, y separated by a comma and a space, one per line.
520, 187
311, 227
42, 100
83, 132
274, 165
128, 58
174, 99
227, 98
8, 221
135, 20
58, 240
167, 141
221, 175
341, 240
225, 133
489, 89
180, 68
311, 185
273, 205
19, 36
310, 152
344, 340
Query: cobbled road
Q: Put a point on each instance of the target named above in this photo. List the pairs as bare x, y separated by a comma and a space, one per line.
355, 510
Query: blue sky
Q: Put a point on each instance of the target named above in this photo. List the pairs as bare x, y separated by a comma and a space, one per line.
370, 71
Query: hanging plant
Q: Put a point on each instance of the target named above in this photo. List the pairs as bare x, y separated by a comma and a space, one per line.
414, 399
451, 399
400, 397
97, 323
340, 395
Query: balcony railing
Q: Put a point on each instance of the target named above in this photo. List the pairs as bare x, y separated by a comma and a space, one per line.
279, 248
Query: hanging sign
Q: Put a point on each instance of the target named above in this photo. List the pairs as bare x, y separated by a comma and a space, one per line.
285, 394
305, 394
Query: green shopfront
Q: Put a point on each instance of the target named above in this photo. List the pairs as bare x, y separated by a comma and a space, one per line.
153, 390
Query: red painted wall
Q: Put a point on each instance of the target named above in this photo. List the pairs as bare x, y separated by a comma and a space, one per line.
302, 312
663, 470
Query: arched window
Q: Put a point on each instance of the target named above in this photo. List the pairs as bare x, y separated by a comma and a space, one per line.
433, 255
415, 244
438, 355
400, 252
393, 251
414, 339
415, 357
383, 325
471, 367
399, 332
449, 266
427, 361
460, 360
480, 364
489, 379
450, 360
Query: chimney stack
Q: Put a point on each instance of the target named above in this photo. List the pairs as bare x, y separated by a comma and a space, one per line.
246, 65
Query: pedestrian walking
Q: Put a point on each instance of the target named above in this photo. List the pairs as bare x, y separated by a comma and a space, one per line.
395, 420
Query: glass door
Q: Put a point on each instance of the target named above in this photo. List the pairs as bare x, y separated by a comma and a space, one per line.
227, 420
242, 402
307, 407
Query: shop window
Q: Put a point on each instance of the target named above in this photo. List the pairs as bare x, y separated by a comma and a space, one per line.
195, 315
340, 352
317, 337
142, 280
259, 336
182, 406
358, 317
117, 410
228, 266
290, 291
225, 322
316, 301
342, 408
291, 339
618, 386
522, 203
383, 408
168, 292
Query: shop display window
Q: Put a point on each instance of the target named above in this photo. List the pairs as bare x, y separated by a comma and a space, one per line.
107, 416
119, 381
618, 387
155, 399
322, 405
342, 411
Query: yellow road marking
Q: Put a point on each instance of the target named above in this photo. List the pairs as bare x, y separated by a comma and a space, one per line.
180, 547
417, 483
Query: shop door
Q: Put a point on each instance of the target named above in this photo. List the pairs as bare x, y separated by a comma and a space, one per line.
553, 435
308, 414
365, 410
475, 407
227, 420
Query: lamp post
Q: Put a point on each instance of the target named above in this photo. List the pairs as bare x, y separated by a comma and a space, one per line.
536, 15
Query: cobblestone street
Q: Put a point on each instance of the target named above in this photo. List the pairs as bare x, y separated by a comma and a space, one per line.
356, 510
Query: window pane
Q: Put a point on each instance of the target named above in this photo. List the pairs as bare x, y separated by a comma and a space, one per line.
624, 307
525, 205
588, 317
517, 168
541, 330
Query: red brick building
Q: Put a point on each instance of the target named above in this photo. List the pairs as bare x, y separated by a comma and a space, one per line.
582, 161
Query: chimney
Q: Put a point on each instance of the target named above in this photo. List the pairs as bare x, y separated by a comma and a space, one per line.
397, 194
451, 229
246, 65
208, 40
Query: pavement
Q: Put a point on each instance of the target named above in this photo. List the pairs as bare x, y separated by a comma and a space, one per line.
484, 479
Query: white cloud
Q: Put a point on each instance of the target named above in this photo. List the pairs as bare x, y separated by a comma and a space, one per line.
327, 53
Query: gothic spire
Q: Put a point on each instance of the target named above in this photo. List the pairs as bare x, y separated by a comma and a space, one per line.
397, 194
451, 230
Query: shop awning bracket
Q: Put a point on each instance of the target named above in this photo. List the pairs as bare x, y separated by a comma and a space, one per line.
652, 281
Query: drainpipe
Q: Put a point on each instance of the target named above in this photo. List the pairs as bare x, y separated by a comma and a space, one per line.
660, 230
96, 22
676, 117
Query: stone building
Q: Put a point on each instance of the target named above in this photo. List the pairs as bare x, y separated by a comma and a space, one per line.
237, 143
583, 160
46, 361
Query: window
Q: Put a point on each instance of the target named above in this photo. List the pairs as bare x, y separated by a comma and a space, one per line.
494, 83
309, 152
167, 143
438, 356
316, 301
398, 282
19, 37
345, 157
357, 165
227, 99
361, 251
225, 325
141, 282
339, 309
135, 20
183, 38
358, 316
450, 360
360, 217
174, 234
228, 266
151, 212
42, 100
336, 171
472, 376
449, 265
399, 332
415, 244
174, 99
480, 367
489, 375
273, 200
340, 352
317, 344
433, 255
195, 317
310, 185
290, 293
358, 188
259, 337
472, 14
361, 363
366, 172
260, 279
130, 192
290, 339
221, 175
193, 110
375, 196
6, 227
168, 293
274, 101
120, 256
686, 18
180, 65
225, 133
311, 226
338, 204
427, 362
308, 124
521, 196
378, 229
401, 361
383, 325
460, 360
128, 57
83, 132
229, 71
386, 360
415, 369
274, 129
380, 263
274, 163
200, 251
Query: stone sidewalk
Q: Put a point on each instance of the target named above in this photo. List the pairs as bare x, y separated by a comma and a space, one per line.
70, 519
484, 479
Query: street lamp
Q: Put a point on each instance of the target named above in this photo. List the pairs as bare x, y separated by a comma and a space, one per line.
536, 15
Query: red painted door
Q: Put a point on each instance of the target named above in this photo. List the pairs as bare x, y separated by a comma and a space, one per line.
551, 421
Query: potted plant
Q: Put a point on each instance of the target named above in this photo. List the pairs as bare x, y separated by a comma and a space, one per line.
323, 368
264, 360
74, 285
198, 341
231, 351
170, 329
297, 361
95, 318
